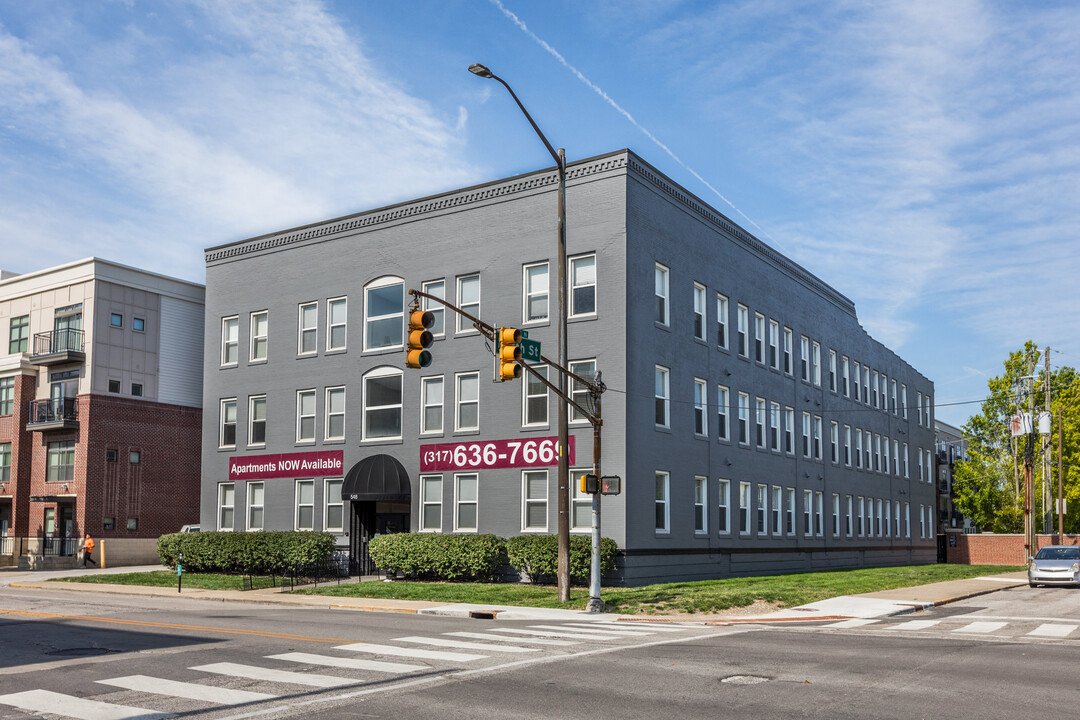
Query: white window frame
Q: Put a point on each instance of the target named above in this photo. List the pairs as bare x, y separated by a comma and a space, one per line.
662, 287
662, 390
365, 408
465, 326
834, 442
808, 513
575, 285
817, 437
722, 321
527, 502
744, 419
760, 420
759, 338
762, 510
581, 500
230, 340
790, 528
223, 421
426, 502
789, 430
222, 506
379, 284
331, 304
253, 344
777, 510
459, 503
807, 447
329, 502
789, 352
701, 505
526, 397
435, 288
459, 403
858, 448
832, 370
848, 526
528, 293
299, 505
723, 503
742, 330
252, 399
744, 509
774, 345
663, 487
857, 366
815, 363
723, 406
774, 426
700, 315
861, 517
301, 415
251, 505
330, 413
836, 515
426, 404
819, 513
847, 445
579, 392
301, 329
903, 400
804, 358
701, 407
845, 375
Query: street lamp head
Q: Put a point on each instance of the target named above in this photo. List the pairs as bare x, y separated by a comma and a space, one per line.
481, 70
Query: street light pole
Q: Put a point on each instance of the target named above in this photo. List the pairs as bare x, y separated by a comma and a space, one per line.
563, 484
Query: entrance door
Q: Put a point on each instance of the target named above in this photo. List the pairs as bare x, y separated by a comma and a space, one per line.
67, 526
363, 529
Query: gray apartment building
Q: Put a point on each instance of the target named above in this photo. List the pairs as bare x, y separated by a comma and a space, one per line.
756, 426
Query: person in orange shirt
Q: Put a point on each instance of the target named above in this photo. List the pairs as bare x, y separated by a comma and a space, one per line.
88, 550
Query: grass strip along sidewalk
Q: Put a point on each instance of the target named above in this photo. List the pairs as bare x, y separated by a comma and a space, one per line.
706, 596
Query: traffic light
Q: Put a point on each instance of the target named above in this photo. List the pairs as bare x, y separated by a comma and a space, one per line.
420, 339
590, 484
507, 353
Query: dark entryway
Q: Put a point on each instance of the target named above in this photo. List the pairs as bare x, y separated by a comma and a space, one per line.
379, 494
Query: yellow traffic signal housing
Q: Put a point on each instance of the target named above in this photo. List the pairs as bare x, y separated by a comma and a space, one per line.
507, 353
590, 484
420, 339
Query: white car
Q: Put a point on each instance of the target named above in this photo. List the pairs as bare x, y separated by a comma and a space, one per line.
190, 528
1055, 565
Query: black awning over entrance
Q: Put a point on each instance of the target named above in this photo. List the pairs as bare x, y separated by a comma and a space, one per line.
379, 477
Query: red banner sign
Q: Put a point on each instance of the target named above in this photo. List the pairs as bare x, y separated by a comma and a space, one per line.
493, 454
307, 464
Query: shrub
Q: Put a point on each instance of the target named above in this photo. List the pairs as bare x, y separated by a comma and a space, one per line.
537, 556
263, 553
438, 556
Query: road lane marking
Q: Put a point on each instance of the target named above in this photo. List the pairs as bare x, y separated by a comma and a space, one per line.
609, 627
463, 645
190, 691
44, 701
508, 638
347, 663
1053, 630
640, 625
915, 625
981, 627
395, 651
254, 672
857, 622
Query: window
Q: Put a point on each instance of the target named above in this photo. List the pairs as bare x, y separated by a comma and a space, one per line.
535, 400
467, 414
759, 421
789, 430
847, 516
230, 339
662, 391
535, 292
832, 370
260, 326
817, 437
579, 391
431, 405
134, 457
581, 504
806, 434
858, 448
335, 413
929, 468
878, 518
874, 388
701, 393
226, 505
723, 399
133, 523
774, 341
582, 286
789, 513
382, 404
256, 420
19, 334
866, 384
858, 394
763, 509
744, 418
907, 520
305, 416
895, 408
337, 315
808, 511
777, 509
7, 395
661, 289
835, 515
108, 523
819, 512
834, 442
862, 512
845, 379
334, 513
138, 324
534, 513
699, 311
816, 364
465, 494
111, 455
929, 411
744, 508
114, 386
787, 350
308, 333
759, 337
305, 504
255, 506
384, 313
5, 462
877, 453
903, 401
884, 393
116, 320
896, 456
662, 502
896, 507
227, 416
431, 487
701, 497
136, 389
721, 321
906, 468
869, 450
723, 493
774, 426
435, 288
847, 445
468, 292
742, 328
922, 521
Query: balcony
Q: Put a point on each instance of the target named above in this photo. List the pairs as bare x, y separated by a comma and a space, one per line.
57, 347
57, 414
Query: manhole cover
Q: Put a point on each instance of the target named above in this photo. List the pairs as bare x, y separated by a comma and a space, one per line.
79, 652
744, 679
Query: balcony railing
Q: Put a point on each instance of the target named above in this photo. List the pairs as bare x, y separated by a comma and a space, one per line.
5, 545
58, 346
64, 547
56, 414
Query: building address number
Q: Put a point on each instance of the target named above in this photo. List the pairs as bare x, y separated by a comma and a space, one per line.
493, 454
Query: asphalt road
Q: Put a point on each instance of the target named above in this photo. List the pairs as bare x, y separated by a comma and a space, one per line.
74, 655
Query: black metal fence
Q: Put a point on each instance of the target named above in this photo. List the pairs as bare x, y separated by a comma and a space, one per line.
55, 410
57, 341
60, 546
333, 570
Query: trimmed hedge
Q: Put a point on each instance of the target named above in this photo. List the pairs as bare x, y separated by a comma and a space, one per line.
438, 556
262, 553
537, 556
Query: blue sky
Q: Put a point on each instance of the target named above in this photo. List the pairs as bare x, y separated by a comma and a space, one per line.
921, 157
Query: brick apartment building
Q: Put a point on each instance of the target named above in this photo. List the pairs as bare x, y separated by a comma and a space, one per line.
100, 411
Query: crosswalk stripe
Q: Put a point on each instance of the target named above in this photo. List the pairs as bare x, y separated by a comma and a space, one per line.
857, 622
638, 625
583, 631
253, 672
915, 625
464, 645
609, 627
1053, 630
44, 701
191, 691
346, 663
550, 633
981, 627
496, 636
394, 651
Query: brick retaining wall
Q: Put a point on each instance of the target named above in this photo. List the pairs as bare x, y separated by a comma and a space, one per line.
990, 549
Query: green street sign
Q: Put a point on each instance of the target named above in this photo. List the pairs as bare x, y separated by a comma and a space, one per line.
530, 350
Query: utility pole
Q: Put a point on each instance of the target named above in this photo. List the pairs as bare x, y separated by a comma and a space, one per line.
1029, 460
1048, 477
1061, 482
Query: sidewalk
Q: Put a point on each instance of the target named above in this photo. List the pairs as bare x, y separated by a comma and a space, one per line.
868, 605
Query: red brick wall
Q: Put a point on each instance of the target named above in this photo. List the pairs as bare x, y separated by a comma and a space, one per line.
988, 549
12, 430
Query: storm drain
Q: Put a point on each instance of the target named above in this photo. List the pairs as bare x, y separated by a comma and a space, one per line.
79, 652
744, 679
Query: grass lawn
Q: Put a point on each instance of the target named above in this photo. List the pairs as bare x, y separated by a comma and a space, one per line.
691, 597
